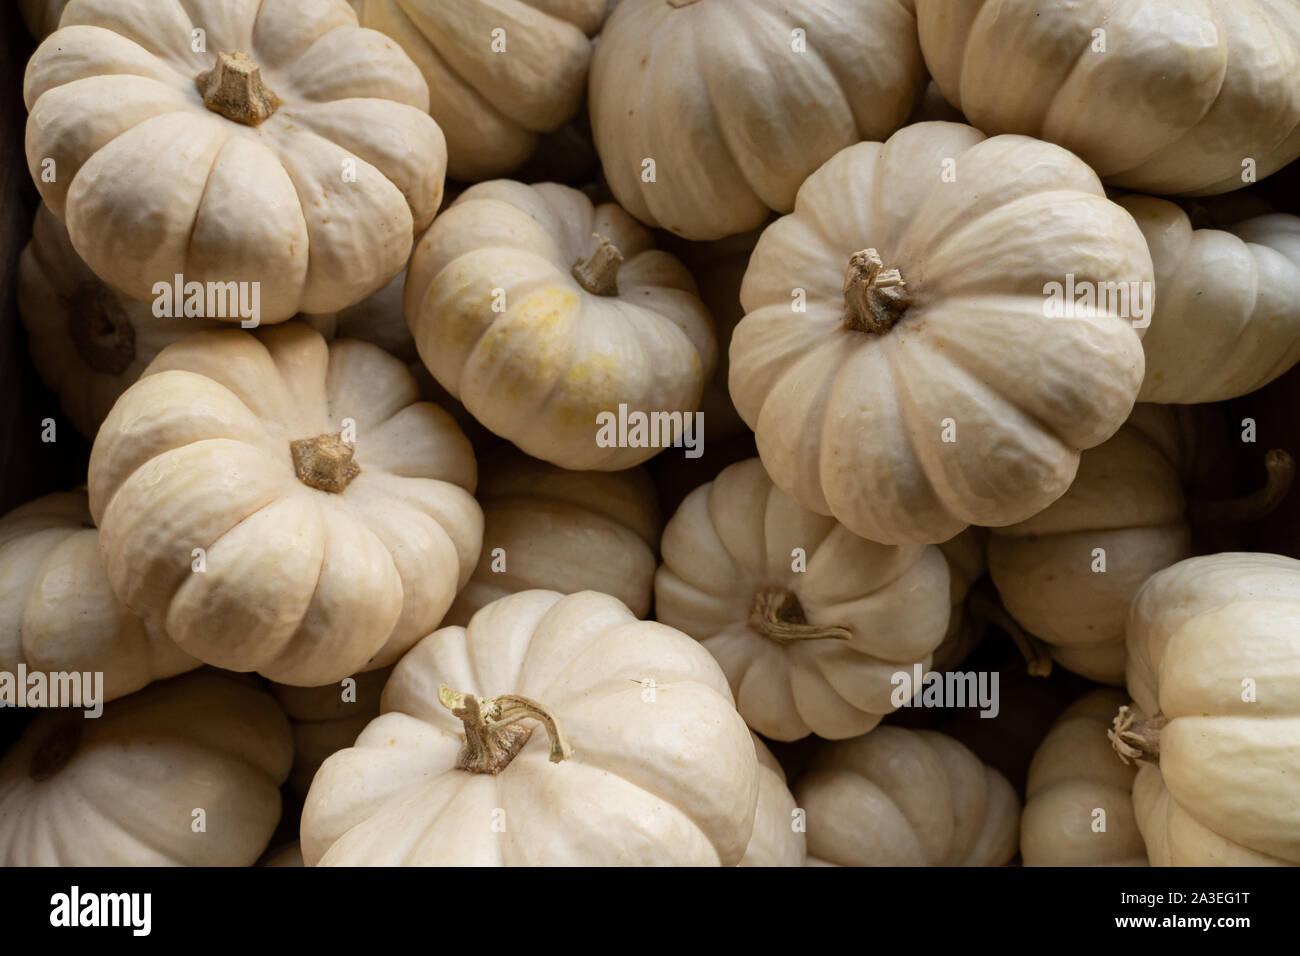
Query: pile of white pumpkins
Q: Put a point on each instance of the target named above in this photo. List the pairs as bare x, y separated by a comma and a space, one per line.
361, 530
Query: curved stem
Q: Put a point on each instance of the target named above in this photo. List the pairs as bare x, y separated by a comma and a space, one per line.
777, 614
492, 733
874, 297
1250, 507
984, 603
1135, 737
234, 88
598, 273
324, 462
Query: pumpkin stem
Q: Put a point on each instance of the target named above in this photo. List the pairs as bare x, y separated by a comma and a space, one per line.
100, 330
492, 734
1254, 506
324, 462
598, 273
234, 88
1135, 737
984, 603
55, 751
874, 297
777, 614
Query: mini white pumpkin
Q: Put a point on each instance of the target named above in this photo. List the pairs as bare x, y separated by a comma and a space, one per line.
331, 510
566, 531
709, 114
57, 611
294, 151
552, 731
897, 797
778, 840
897, 360
1162, 96
809, 622
1212, 652
498, 73
539, 311
1227, 316
127, 788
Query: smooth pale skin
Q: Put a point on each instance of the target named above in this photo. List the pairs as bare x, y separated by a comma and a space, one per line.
563, 531
1184, 91
492, 104
151, 183
967, 562
57, 611
852, 423
736, 535
324, 722
659, 774
1128, 500
775, 842
734, 117
204, 740
1227, 317
897, 797
1224, 790
1075, 771
539, 372
302, 585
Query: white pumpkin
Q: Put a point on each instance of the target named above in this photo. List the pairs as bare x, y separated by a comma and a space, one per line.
332, 511
1227, 316
923, 387
326, 719
897, 797
566, 531
57, 611
809, 622
154, 154
709, 114
778, 840
41, 16
1162, 96
552, 731
1074, 774
126, 789
498, 73
1212, 652
539, 311
967, 561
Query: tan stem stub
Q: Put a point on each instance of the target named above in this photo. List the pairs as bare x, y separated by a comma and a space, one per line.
1136, 737
777, 614
55, 751
493, 734
100, 329
874, 297
324, 462
1254, 506
984, 603
234, 88
598, 273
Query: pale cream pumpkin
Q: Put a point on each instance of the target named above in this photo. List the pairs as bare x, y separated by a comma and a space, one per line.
57, 611
777, 840
566, 531
326, 719
923, 387
1162, 96
87, 341
41, 16
708, 114
131, 787
333, 510
1212, 652
897, 797
967, 562
539, 311
1074, 774
498, 73
809, 621
554, 730
1227, 316
318, 127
